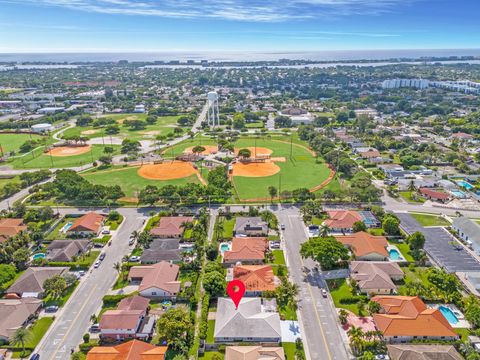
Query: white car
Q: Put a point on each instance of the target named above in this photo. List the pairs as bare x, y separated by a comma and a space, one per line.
134, 258
97, 264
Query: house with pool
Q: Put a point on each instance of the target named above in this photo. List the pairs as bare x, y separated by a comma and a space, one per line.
365, 246
406, 318
376, 277
88, 225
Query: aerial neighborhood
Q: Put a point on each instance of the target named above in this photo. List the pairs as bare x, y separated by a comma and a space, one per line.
344, 198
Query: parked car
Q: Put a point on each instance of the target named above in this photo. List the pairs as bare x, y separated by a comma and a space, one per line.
102, 256
131, 242
35, 357
95, 328
105, 231
282, 226
81, 272
97, 264
134, 258
51, 309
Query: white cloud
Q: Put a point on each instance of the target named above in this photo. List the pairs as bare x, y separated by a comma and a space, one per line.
240, 10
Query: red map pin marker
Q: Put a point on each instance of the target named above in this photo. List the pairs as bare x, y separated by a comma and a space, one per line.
236, 290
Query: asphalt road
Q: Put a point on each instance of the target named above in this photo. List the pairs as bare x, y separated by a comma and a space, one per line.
73, 320
318, 318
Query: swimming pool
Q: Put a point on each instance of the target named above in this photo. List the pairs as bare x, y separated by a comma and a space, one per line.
465, 184
224, 247
38, 256
458, 194
394, 254
66, 227
449, 315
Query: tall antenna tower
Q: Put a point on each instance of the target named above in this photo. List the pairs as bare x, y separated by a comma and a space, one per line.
213, 116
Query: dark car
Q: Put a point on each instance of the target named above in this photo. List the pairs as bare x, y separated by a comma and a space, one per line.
35, 357
102, 256
51, 309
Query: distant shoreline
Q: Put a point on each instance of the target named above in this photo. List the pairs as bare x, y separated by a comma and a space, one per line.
242, 58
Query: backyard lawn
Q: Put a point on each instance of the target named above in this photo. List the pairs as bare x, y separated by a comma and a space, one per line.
56, 234
430, 220
210, 331
404, 249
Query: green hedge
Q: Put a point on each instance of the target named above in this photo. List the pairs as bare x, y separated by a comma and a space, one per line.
112, 300
204, 317
353, 300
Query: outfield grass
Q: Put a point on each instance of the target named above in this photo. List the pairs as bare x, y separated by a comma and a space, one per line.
12, 142
299, 170
164, 126
38, 159
430, 220
130, 182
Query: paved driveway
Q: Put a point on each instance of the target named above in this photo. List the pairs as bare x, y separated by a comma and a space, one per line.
441, 246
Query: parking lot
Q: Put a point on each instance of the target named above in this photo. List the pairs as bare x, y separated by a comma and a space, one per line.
441, 246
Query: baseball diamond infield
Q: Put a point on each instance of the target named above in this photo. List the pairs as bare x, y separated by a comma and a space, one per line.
255, 169
69, 150
209, 149
169, 170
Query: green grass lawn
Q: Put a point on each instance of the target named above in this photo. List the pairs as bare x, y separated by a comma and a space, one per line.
408, 196
418, 274
464, 333
430, 220
405, 250
56, 234
340, 289
301, 162
164, 126
289, 349
13, 180
38, 159
38, 330
12, 142
255, 125
61, 301
210, 354
279, 257
114, 224
210, 331
287, 313
228, 225
130, 181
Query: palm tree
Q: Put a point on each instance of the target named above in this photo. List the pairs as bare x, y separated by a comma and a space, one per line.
343, 316
324, 230
135, 235
355, 335
117, 266
20, 336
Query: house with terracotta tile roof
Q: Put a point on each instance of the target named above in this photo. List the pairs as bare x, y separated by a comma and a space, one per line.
87, 225
170, 227
366, 247
435, 195
341, 221
407, 318
10, 227
375, 277
132, 350
128, 321
254, 353
257, 278
246, 250
156, 281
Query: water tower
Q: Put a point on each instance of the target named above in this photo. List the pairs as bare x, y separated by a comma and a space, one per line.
213, 116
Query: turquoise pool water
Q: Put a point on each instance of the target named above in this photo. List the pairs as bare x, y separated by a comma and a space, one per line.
224, 247
394, 254
39, 256
449, 315
67, 226
458, 194
465, 184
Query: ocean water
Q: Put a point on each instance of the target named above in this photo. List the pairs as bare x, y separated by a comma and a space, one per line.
349, 55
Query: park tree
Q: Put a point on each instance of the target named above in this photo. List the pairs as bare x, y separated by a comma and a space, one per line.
327, 251
245, 153
272, 191
416, 241
198, 149
238, 121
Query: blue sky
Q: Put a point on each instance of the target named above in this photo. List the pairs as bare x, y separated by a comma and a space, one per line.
236, 25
